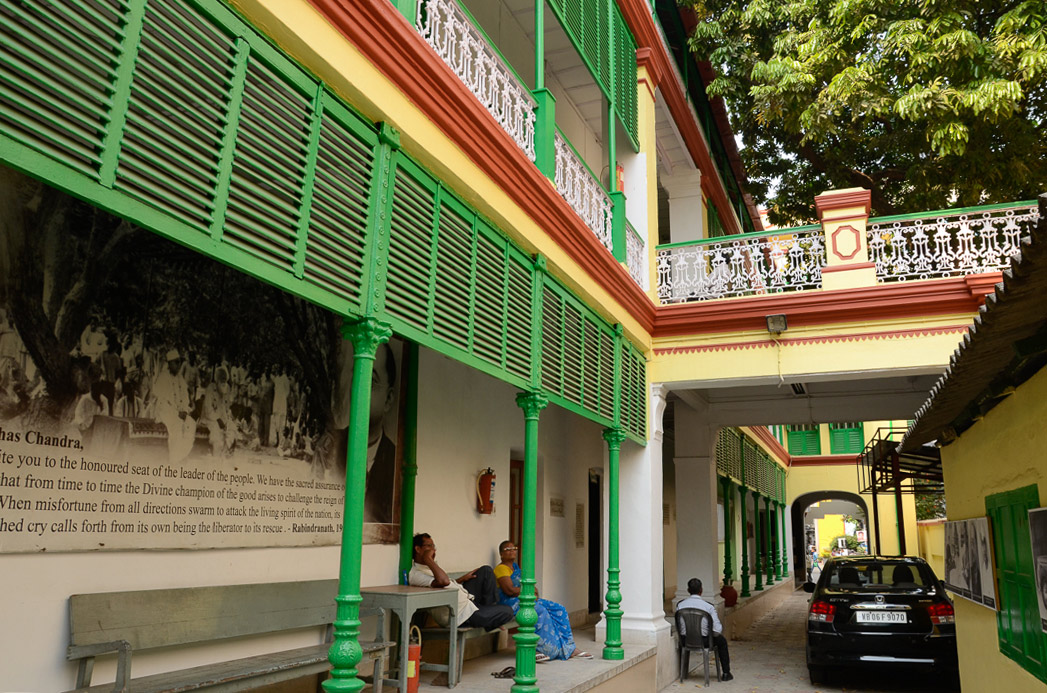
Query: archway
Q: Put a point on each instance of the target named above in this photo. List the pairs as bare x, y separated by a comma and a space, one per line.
797, 511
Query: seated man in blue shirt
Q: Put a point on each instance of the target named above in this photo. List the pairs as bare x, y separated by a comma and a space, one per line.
695, 601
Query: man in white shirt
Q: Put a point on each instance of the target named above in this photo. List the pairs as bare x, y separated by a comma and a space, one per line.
477, 590
695, 601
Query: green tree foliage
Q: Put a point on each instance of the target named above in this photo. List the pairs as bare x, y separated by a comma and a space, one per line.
928, 103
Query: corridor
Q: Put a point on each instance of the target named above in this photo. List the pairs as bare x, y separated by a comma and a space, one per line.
769, 658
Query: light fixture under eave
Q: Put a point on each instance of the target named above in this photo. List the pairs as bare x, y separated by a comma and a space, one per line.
776, 324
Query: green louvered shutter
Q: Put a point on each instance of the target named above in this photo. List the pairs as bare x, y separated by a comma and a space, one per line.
177, 115
58, 65
269, 164
338, 218
453, 284
552, 340
846, 438
408, 291
489, 300
803, 440
518, 310
572, 357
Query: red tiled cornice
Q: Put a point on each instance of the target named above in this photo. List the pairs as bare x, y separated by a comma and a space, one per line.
809, 308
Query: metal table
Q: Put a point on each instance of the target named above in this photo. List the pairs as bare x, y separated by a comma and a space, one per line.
404, 600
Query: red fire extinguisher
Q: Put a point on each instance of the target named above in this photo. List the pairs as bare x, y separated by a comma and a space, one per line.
485, 492
414, 659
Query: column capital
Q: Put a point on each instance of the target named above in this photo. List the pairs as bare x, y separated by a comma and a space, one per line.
614, 437
366, 335
532, 403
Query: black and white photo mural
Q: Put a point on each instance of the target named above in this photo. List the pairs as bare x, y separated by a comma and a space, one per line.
969, 560
153, 398
1038, 539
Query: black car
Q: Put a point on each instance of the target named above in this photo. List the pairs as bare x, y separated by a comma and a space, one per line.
873, 611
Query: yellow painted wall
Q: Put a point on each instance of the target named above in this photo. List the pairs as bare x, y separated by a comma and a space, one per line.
758, 355
844, 477
932, 544
828, 528
1002, 452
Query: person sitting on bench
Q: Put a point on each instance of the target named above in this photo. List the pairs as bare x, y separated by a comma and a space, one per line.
477, 590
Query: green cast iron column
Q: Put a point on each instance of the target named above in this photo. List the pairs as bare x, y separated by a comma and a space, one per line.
744, 541
545, 111
758, 535
728, 569
779, 546
410, 462
770, 539
345, 653
613, 613
526, 679
785, 558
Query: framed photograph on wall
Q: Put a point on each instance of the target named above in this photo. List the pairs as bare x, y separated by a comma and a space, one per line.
980, 537
1038, 538
969, 564
955, 541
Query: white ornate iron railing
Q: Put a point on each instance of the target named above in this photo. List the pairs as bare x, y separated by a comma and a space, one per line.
636, 256
583, 192
950, 243
447, 28
742, 265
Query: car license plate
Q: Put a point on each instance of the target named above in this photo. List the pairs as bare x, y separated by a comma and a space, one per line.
881, 617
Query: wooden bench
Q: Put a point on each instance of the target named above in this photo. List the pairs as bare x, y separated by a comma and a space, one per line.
127, 622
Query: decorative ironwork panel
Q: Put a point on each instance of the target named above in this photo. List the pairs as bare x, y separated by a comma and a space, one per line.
972, 242
744, 266
636, 256
583, 192
445, 26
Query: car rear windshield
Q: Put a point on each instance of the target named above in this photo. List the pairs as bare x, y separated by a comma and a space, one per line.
880, 576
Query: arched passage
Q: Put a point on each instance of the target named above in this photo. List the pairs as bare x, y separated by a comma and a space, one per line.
797, 510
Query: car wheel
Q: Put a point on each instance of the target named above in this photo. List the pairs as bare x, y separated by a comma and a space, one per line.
817, 674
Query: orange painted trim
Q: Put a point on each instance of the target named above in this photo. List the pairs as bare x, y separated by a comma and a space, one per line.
845, 268
645, 59
802, 341
764, 435
835, 238
954, 295
827, 202
824, 460
392, 45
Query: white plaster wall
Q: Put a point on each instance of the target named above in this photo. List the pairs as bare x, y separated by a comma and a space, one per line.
468, 421
568, 446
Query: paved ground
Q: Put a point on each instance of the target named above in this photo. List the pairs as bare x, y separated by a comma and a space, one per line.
770, 657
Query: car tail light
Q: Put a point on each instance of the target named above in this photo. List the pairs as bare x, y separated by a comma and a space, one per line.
941, 613
822, 612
